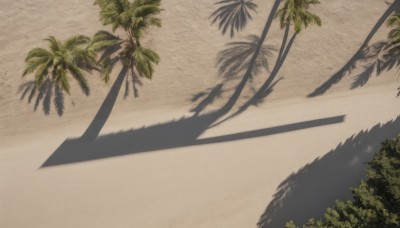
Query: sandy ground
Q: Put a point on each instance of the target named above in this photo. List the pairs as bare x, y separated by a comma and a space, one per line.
155, 164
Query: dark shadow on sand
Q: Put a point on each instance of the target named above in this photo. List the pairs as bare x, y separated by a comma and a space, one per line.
240, 59
358, 56
175, 134
315, 187
268, 86
233, 15
379, 57
48, 93
180, 133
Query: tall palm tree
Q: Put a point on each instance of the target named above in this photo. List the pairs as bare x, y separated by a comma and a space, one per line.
134, 18
296, 12
63, 59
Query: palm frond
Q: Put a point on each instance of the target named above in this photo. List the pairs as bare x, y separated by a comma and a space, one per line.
33, 64
38, 53
55, 45
144, 61
394, 21
75, 41
78, 76
60, 76
103, 40
296, 12
42, 73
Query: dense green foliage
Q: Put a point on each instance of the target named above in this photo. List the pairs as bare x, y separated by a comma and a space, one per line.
60, 61
376, 200
296, 12
134, 17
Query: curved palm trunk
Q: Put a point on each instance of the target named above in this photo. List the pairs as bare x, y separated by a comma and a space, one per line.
105, 109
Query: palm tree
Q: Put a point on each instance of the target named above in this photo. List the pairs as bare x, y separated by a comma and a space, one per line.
64, 59
134, 18
296, 12
233, 15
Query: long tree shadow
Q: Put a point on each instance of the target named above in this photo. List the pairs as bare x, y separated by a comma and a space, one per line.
44, 94
175, 134
170, 135
245, 58
233, 15
359, 55
315, 187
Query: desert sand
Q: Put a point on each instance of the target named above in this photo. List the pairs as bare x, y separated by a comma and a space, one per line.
162, 159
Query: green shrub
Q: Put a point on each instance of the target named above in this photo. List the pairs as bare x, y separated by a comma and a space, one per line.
376, 201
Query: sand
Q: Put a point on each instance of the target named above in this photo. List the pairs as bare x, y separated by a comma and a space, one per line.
154, 164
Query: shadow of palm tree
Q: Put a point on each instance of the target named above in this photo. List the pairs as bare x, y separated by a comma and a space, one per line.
43, 95
179, 133
210, 95
233, 15
245, 58
358, 56
378, 57
237, 57
315, 187
183, 132
267, 88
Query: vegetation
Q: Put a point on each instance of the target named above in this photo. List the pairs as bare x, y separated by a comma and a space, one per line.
60, 62
296, 12
53, 67
376, 200
134, 18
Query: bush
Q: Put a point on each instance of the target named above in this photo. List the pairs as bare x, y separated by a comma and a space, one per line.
376, 200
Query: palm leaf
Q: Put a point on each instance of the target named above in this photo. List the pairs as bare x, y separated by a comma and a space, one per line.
78, 76
145, 60
33, 64
103, 40
75, 41
54, 44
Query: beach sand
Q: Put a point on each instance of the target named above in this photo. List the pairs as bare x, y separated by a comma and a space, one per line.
156, 163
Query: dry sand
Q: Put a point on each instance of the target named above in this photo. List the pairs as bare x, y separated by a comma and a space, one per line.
287, 158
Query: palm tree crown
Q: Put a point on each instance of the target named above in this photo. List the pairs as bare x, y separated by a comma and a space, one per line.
63, 59
394, 21
296, 12
134, 18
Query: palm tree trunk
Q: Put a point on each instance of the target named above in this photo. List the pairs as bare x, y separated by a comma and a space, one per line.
105, 109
